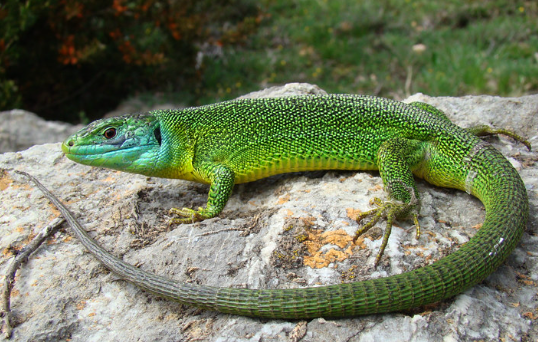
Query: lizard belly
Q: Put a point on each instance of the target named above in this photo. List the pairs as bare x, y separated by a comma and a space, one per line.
270, 167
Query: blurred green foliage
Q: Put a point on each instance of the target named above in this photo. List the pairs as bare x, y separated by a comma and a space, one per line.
59, 58
72, 59
390, 48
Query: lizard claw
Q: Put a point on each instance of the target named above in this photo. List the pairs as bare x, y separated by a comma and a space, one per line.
187, 215
390, 210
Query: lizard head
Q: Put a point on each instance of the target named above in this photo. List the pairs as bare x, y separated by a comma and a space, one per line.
129, 143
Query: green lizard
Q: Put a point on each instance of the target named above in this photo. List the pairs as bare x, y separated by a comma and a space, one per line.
244, 140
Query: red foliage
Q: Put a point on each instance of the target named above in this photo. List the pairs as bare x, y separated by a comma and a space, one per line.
67, 52
118, 8
87, 53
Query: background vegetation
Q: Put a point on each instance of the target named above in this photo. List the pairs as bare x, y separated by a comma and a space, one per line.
68, 58
63, 57
389, 47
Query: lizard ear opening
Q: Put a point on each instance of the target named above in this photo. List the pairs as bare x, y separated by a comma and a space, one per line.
157, 133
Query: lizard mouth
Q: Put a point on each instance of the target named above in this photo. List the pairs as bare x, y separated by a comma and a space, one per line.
92, 150
109, 156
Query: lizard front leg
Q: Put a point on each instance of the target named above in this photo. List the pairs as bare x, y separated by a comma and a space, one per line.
221, 179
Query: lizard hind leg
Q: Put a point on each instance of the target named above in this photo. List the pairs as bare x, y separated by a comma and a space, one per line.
485, 130
396, 157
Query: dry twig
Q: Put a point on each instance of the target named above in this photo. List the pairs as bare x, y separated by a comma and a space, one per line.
22, 256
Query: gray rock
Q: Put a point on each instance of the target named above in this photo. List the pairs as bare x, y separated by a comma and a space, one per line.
64, 293
20, 129
289, 89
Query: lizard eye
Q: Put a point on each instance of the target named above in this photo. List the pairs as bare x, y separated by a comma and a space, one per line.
110, 133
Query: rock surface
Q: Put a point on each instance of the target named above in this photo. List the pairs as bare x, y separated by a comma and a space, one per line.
267, 234
20, 129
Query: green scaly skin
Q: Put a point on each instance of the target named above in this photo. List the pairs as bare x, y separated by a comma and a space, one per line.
244, 140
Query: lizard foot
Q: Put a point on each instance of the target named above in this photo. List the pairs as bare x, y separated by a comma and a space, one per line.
390, 210
483, 130
187, 215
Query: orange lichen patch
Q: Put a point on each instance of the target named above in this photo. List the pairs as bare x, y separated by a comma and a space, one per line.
338, 237
521, 275
313, 241
478, 226
109, 179
324, 259
27, 240
343, 179
525, 279
527, 282
284, 199
353, 213
55, 212
289, 212
530, 315
376, 188
360, 242
420, 254
308, 221
418, 250
81, 305
5, 180
316, 240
